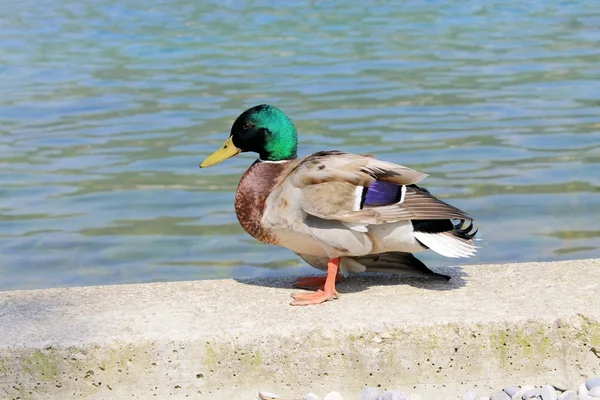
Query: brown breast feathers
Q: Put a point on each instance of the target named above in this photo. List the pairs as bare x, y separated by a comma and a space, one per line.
252, 192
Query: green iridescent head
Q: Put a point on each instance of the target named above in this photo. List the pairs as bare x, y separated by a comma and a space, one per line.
262, 129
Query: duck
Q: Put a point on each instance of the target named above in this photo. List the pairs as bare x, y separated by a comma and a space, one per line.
342, 213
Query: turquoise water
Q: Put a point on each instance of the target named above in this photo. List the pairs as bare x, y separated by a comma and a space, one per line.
107, 108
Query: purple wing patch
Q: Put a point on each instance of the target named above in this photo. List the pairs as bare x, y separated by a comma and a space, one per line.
381, 193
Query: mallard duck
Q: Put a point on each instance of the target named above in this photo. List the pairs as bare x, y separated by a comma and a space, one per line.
340, 212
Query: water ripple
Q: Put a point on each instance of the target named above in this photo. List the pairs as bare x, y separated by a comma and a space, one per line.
108, 107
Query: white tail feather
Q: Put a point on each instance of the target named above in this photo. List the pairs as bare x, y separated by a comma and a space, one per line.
446, 244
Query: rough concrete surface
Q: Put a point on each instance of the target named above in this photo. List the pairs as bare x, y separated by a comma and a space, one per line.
489, 327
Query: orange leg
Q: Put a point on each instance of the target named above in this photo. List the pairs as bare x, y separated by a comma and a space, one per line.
314, 282
328, 292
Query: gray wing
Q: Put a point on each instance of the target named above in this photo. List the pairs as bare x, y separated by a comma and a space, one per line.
329, 186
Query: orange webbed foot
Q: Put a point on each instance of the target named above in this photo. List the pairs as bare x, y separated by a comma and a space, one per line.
327, 292
306, 299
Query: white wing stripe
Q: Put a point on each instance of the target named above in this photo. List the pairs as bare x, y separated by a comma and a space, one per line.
402, 194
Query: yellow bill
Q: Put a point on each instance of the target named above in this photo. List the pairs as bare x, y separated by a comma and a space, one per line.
226, 151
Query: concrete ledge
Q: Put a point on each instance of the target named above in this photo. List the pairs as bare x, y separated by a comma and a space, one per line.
490, 326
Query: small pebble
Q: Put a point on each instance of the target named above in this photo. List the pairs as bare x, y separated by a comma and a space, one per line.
511, 390
568, 395
469, 396
393, 395
370, 393
333, 396
589, 390
499, 395
583, 392
548, 393
531, 393
521, 391
517, 396
559, 388
592, 382
267, 396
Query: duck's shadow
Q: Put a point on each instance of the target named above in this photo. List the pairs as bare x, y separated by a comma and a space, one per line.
355, 283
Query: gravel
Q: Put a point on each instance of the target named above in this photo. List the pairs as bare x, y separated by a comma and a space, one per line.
499, 395
393, 395
531, 393
548, 392
595, 392
569, 395
592, 382
589, 390
511, 390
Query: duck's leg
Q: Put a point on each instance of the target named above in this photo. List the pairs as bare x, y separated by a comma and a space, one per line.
314, 282
328, 292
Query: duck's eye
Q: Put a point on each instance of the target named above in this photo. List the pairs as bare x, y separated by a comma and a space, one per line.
246, 126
